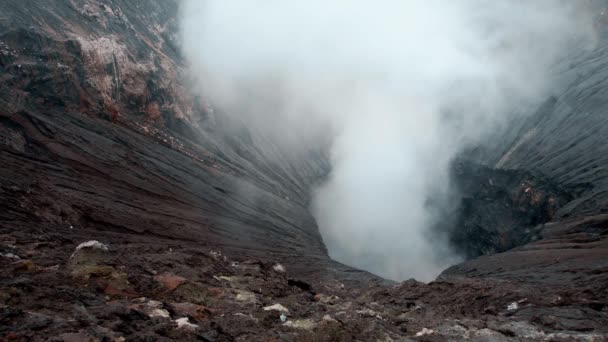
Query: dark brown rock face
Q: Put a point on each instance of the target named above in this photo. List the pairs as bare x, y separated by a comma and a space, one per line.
100, 140
498, 209
99, 133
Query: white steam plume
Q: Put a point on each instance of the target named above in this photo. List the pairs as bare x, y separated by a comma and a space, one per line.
399, 88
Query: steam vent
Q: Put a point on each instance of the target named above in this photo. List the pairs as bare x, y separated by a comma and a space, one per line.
275, 171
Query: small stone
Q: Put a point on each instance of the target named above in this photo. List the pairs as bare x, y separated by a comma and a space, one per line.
151, 308
159, 313
424, 332
149, 270
304, 324
276, 307
94, 244
513, 306
184, 323
369, 313
226, 278
10, 256
248, 317
250, 266
279, 268
326, 299
283, 317
245, 296
328, 318
155, 304
216, 255
90, 254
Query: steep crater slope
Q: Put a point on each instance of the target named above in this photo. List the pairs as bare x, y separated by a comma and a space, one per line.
494, 210
98, 133
564, 141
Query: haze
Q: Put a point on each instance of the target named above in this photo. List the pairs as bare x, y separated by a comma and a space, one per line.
395, 90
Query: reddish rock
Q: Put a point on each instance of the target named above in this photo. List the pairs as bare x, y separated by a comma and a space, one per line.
153, 111
113, 290
170, 281
216, 292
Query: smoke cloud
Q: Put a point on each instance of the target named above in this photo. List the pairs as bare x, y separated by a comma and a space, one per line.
396, 89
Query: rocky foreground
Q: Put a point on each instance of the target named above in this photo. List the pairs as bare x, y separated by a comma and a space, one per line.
56, 285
